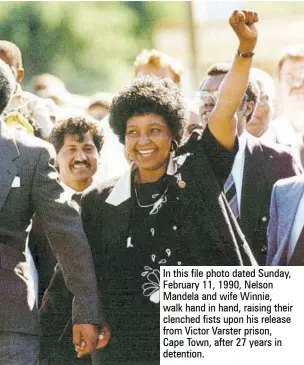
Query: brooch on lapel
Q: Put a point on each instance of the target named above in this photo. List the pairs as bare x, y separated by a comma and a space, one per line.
180, 182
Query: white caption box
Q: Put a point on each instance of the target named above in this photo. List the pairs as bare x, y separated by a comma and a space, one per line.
231, 315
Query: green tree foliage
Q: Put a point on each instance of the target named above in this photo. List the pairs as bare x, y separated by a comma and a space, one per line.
90, 45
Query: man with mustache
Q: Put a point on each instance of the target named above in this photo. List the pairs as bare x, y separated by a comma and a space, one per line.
256, 168
77, 141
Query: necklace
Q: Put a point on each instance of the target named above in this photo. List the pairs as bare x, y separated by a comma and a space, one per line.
149, 205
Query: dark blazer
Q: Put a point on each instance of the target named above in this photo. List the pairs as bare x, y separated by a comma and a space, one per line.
29, 185
263, 166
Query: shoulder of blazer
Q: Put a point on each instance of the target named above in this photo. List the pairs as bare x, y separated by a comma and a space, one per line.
268, 149
276, 149
100, 191
29, 143
280, 157
288, 183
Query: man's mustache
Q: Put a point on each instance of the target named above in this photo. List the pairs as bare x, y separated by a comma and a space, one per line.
86, 163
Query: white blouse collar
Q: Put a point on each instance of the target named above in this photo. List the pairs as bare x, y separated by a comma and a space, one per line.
122, 189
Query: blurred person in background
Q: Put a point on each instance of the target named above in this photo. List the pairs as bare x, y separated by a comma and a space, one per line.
259, 124
99, 105
256, 168
51, 86
112, 154
154, 62
159, 64
193, 120
289, 127
291, 76
23, 103
113, 162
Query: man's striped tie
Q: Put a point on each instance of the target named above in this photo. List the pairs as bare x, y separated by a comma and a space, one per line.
230, 192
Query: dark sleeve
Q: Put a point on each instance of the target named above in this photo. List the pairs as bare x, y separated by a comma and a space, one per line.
43, 256
91, 212
55, 314
220, 159
69, 244
291, 167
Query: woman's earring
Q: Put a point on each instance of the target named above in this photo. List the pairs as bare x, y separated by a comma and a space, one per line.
174, 146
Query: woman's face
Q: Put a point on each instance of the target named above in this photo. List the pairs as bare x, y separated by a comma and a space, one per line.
148, 141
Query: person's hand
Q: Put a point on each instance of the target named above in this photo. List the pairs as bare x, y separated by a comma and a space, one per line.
242, 22
103, 338
85, 338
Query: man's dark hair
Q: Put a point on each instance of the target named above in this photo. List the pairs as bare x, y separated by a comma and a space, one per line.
149, 95
7, 85
252, 92
12, 52
76, 126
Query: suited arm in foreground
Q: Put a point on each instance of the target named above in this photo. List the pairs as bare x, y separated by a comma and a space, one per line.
63, 227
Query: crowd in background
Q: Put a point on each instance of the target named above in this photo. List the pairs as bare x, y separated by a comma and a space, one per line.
90, 153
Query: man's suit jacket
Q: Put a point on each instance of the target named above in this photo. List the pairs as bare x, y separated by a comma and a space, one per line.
42, 255
29, 185
264, 165
286, 196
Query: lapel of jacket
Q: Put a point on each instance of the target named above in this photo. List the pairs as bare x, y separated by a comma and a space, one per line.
8, 155
256, 168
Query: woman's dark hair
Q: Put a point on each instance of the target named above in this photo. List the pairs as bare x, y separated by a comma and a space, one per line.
149, 95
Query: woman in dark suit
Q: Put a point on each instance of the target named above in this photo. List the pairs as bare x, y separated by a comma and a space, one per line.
168, 209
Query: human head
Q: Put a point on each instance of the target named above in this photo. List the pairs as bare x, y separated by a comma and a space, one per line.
7, 85
46, 82
77, 142
263, 113
146, 101
99, 105
193, 120
208, 95
159, 64
291, 76
11, 54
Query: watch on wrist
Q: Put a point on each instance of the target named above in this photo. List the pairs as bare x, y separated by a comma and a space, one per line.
245, 54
